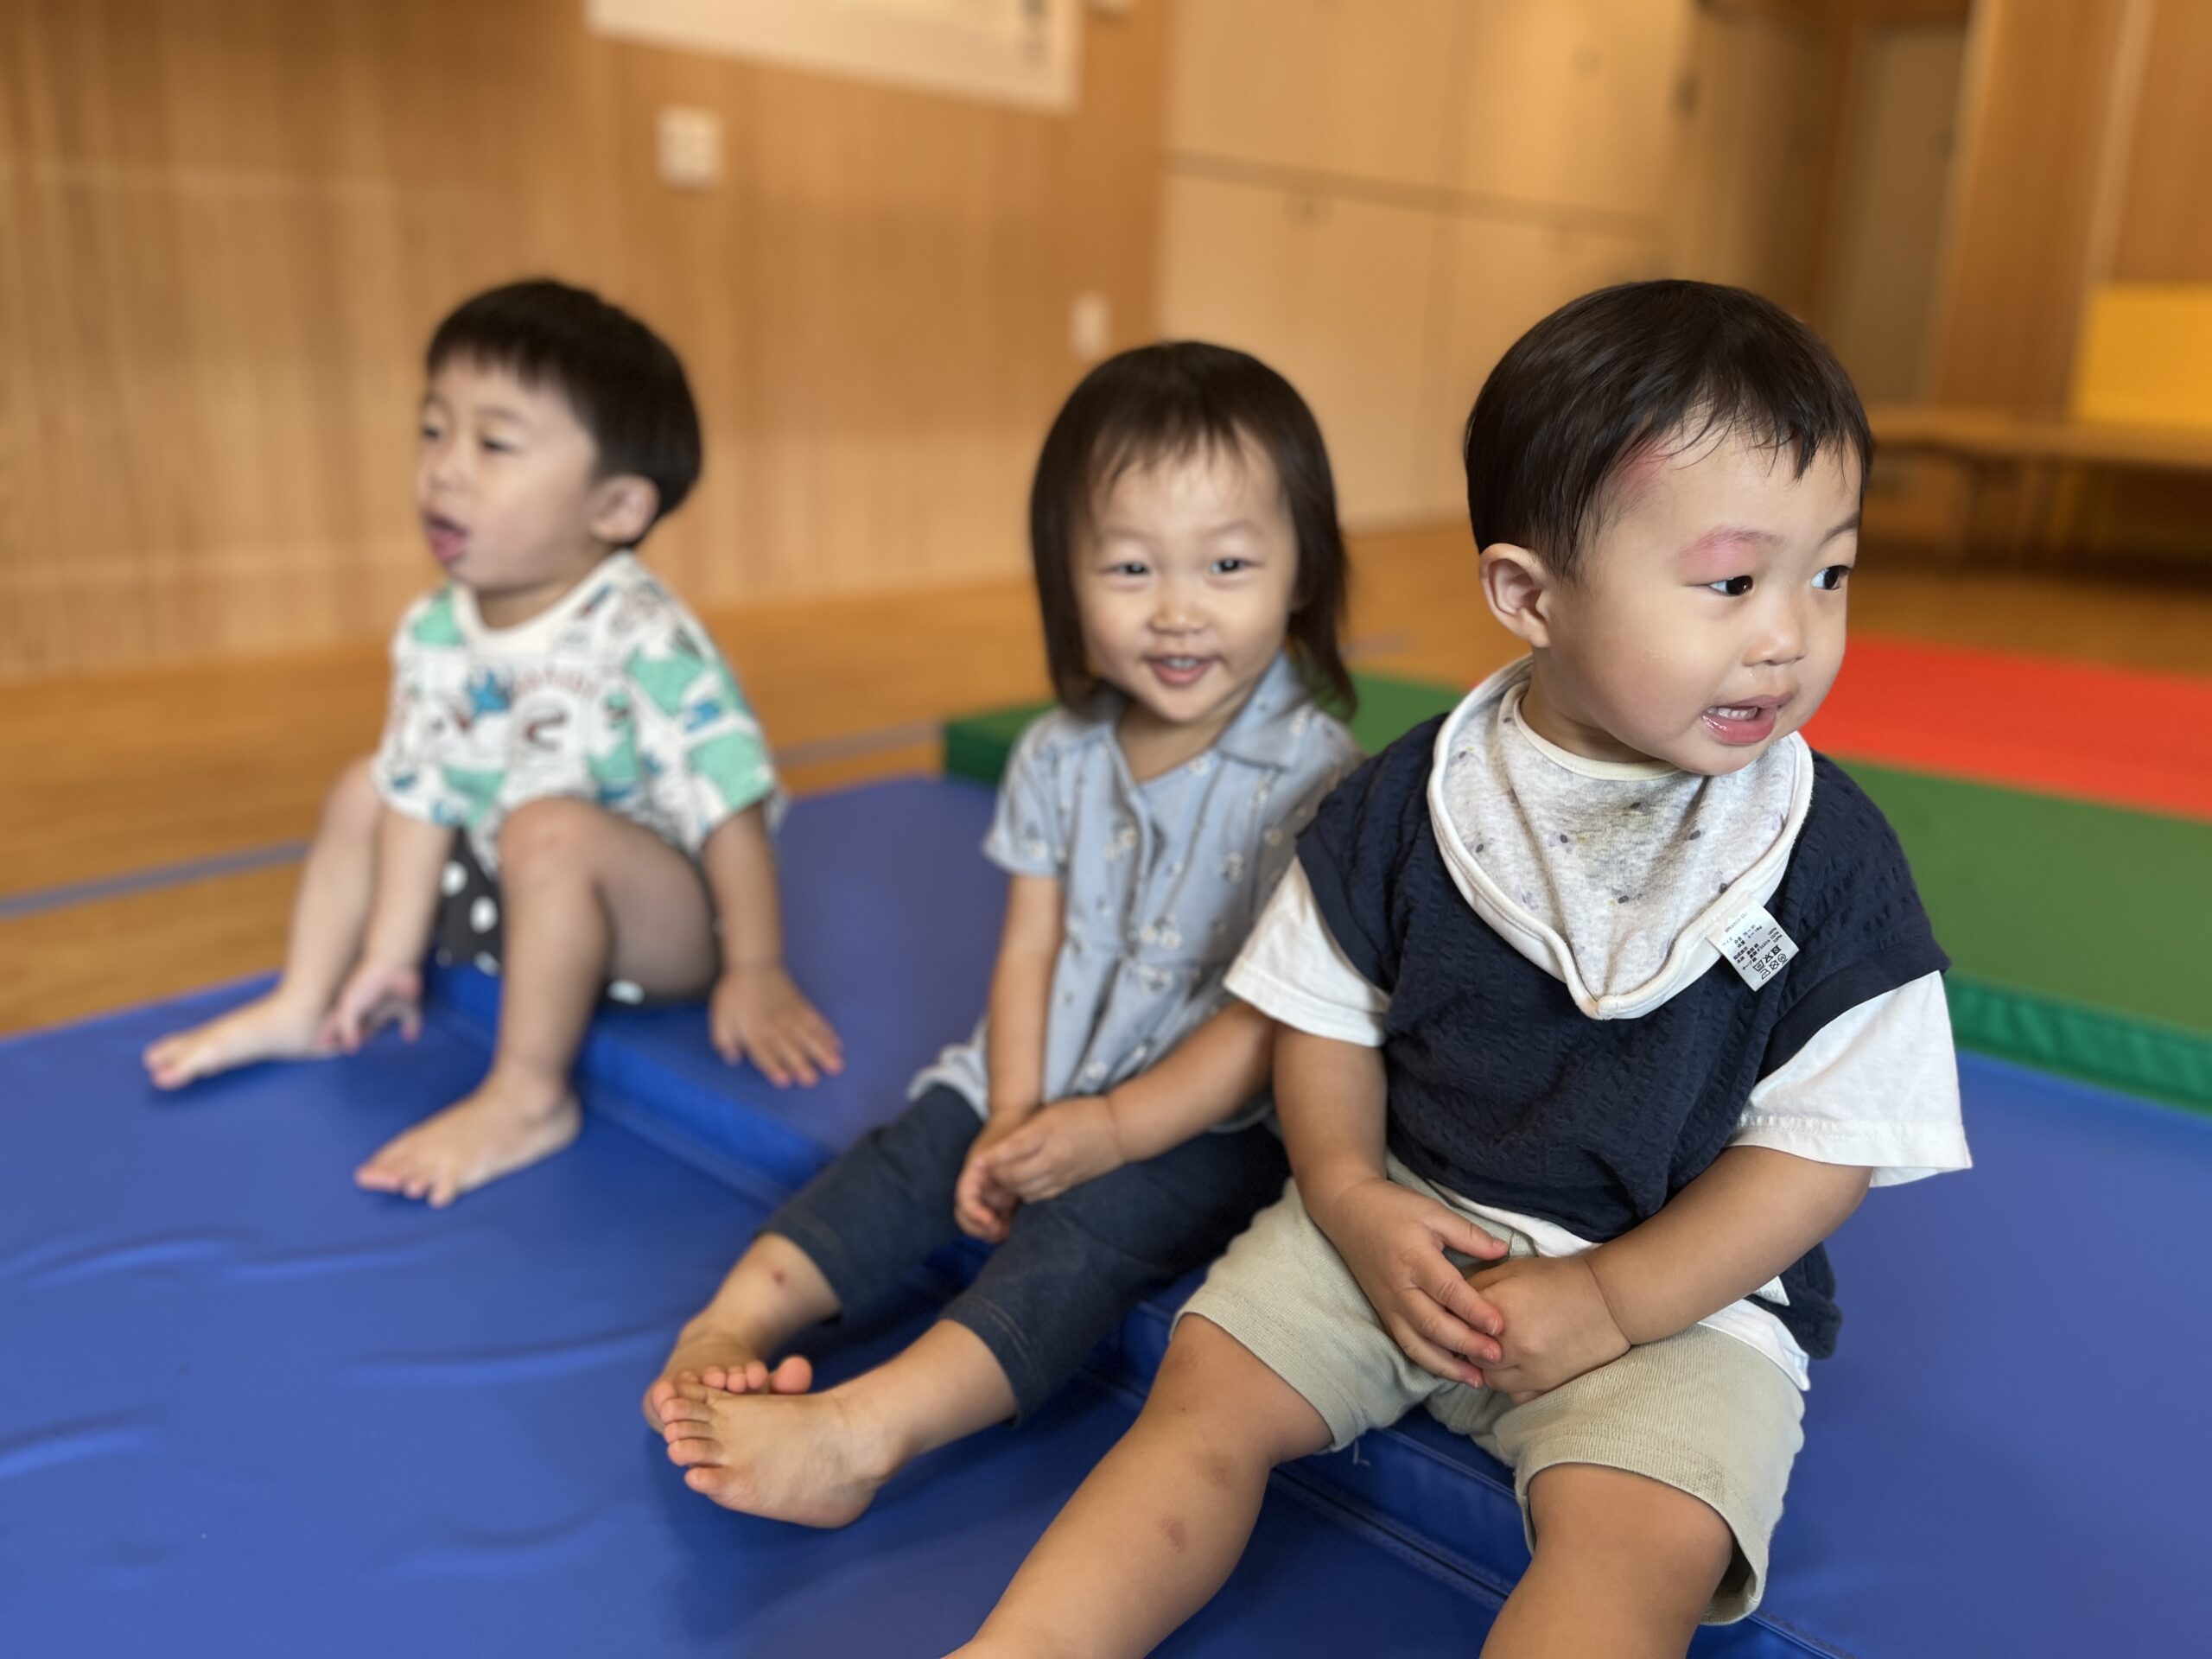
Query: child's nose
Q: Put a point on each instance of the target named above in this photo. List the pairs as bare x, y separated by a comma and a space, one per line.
1783, 641
1178, 611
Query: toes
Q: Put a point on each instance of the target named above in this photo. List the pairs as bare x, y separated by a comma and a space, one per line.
677, 1409
689, 1451
377, 1175
794, 1376
718, 1485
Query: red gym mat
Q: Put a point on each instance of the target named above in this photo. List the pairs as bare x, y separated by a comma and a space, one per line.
2110, 735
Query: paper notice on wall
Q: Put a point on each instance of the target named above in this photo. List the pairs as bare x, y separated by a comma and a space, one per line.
1022, 52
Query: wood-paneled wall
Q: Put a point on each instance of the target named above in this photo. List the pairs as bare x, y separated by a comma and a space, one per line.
227, 226
2087, 150
2164, 233
2025, 197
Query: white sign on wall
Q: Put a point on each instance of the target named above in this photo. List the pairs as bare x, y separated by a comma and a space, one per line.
1022, 52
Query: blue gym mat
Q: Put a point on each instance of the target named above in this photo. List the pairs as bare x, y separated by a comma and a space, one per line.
245, 1410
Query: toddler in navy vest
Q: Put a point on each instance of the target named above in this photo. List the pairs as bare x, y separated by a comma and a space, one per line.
1603, 1001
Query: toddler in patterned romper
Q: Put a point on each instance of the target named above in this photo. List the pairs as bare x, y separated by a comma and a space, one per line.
569, 783
1107, 1129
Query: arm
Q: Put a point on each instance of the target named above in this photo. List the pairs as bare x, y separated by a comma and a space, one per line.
756, 1008
1207, 1076
1740, 1224
1013, 1042
1331, 1097
1746, 1218
385, 986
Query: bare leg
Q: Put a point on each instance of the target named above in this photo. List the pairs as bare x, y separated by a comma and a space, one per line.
819, 1459
1160, 1523
327, 916
587, 897
773, 1293
1623, 1566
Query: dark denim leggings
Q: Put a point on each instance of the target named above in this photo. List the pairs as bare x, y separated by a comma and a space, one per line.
1070, 1269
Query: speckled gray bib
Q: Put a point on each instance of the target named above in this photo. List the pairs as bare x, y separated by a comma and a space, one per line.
1617, 860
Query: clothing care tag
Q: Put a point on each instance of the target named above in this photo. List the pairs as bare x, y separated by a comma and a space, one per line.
1755, 945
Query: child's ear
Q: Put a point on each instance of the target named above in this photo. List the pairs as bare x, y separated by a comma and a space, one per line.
1519, 589
623, 508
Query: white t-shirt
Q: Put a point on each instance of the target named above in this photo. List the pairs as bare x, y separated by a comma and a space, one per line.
615, 694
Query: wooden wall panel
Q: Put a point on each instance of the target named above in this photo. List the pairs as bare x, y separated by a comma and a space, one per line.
226, 227
2164, 233
1367, 91
2009, 290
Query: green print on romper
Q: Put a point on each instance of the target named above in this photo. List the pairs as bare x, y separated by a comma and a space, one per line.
437, 625
733, 762
665, 679
479, 788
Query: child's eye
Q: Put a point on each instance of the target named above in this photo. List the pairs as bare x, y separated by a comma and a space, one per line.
495, 446
1734, 587
432, 434
1230, 567
1130, 568
1832, 578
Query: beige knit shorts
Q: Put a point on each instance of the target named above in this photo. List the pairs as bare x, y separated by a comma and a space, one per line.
1700, 1412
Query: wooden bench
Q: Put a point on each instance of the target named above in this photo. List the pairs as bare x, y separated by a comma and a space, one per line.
2141, 401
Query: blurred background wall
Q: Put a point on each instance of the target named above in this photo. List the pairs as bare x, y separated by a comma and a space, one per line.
226, 227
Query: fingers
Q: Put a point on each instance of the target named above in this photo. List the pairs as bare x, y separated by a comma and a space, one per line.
768, 1058
1442, 1329
1436, 1361
1470, 1240
977, 1215
1451, 1290
819, 1043
722, 1032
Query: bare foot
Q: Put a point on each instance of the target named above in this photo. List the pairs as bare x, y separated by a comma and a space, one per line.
496, 1131
263, 1029
717, 1357
808, 1458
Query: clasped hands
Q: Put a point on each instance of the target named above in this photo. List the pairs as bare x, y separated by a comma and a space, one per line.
1522, 1324
1026, 1158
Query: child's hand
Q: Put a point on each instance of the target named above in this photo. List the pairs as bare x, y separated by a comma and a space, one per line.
375, 994
758, 1011
1067, 1143
1557, 1323
1393, 1240
982, 1204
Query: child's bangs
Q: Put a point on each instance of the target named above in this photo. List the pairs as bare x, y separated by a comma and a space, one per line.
1179, 436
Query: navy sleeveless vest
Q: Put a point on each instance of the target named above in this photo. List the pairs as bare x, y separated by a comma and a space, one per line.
1505, 1092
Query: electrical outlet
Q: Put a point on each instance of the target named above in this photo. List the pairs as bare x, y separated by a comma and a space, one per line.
689, 148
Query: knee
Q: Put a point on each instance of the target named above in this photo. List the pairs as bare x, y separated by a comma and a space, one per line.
552, 840
1668, 1551
1242, 1414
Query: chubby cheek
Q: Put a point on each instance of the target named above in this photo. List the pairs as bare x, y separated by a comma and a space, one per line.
1112, 632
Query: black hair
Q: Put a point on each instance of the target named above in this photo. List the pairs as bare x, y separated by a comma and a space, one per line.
1604, 379
1171, 401
625, 384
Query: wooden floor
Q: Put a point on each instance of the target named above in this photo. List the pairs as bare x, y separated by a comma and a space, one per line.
142, 777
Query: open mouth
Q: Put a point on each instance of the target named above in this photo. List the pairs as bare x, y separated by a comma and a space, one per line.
448, 540
1179, 671
1741, 723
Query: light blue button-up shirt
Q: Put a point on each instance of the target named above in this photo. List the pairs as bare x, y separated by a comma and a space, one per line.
1161, 880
